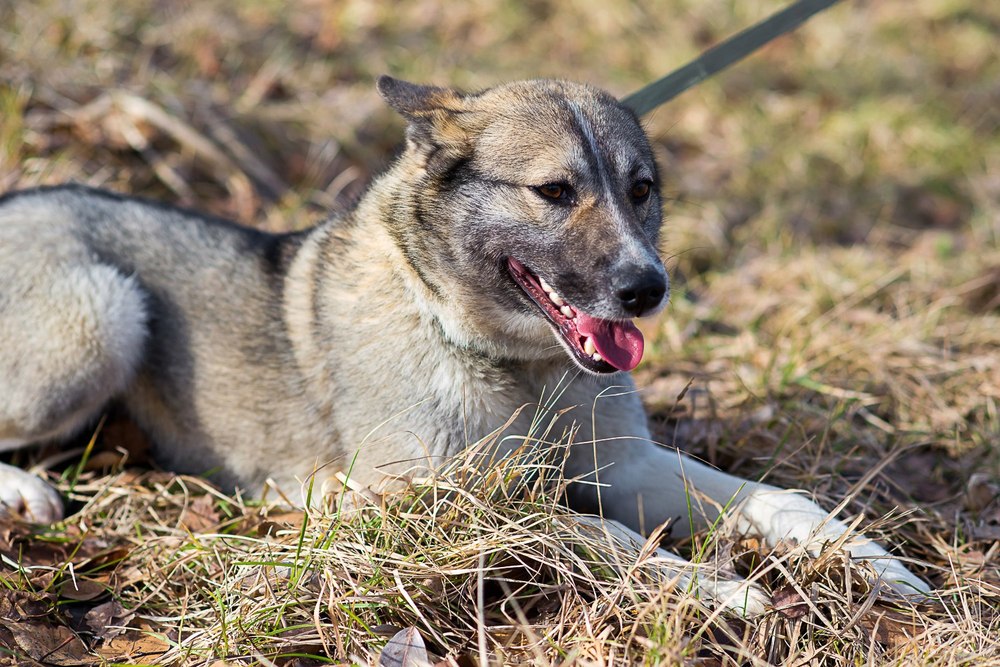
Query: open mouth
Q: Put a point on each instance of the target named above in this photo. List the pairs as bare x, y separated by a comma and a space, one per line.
600, 346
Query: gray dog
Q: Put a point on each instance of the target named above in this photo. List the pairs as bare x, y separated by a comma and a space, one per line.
514, 238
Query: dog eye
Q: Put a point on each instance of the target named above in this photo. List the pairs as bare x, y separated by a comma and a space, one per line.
560, 192
640, 191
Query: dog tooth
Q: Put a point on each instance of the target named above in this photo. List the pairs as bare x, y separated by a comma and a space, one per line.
567, 311
596, 357
545, 285
588, 345
556, 299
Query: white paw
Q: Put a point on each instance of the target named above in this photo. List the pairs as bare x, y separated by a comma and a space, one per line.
740, 596
887, 567
785, 515
27, 496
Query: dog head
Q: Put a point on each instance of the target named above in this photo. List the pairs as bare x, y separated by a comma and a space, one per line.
532, 207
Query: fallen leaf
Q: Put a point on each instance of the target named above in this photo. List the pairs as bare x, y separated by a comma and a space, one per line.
201, 516
134, 643
107, 620
981, 491
22, 605
890, 628
789, 603
35, 547
125, 576
10, 656
405, 649
104, 461
81, 589
277, 521
51, 644
41, 580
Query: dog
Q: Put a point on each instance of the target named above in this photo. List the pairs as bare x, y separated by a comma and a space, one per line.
514, 239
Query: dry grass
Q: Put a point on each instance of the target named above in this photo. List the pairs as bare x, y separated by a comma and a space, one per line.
835, 326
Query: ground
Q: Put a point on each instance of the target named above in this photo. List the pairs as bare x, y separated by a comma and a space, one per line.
832, 234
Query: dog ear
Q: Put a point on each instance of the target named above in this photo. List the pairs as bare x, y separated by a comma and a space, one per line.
414, 101
434, 117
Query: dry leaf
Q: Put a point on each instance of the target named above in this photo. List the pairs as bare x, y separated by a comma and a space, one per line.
981, 491
125, 576
789, 603
405, 649
106, 620
105, 558
201, 516
277, 521
22, 605
890, 627
51, 644
105, 460
133, 644
81, 589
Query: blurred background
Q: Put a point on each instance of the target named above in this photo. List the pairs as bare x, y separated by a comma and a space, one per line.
834, 200
875, 120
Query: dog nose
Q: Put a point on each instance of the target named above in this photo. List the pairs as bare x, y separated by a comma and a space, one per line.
642, 292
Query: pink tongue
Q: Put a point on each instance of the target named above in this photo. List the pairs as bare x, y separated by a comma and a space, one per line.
619, 343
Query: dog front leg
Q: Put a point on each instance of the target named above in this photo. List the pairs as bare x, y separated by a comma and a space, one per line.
643, 485
634, 485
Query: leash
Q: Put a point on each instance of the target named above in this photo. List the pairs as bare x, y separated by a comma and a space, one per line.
723, 55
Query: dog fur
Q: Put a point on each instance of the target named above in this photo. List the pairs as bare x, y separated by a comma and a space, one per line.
388, 337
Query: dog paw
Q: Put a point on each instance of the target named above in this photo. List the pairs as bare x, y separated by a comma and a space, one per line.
742, 597
785, 515
26, 496
889, 569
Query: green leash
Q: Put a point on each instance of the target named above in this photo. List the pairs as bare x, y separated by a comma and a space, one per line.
723, 55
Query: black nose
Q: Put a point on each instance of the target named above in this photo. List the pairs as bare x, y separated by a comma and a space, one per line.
642, 291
